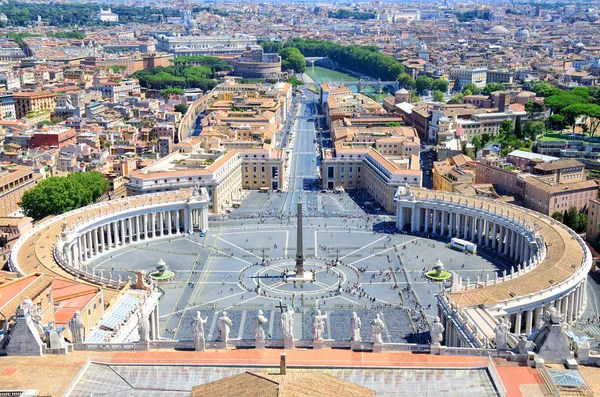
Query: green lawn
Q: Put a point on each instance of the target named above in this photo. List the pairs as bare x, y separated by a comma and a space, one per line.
553, 136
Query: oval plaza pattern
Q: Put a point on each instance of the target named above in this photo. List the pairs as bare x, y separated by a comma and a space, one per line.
551, 261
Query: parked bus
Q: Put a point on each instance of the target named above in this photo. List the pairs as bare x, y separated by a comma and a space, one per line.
463, 245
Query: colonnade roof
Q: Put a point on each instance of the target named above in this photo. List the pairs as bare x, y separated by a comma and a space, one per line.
36, 253
564, 254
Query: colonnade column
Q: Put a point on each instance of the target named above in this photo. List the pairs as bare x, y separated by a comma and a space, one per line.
494, 235
452, 228
169, 223
513, 242
426, 223
443, 227
435, 221
413, 220
177, 224
109, 236
518, 319
122, 231
481, 227
529, 322
153, 223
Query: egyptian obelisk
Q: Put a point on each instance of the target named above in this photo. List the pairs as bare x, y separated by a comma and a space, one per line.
299, 245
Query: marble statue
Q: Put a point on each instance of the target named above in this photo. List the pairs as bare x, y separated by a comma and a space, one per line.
318, 325
377, 327
77, 328
223, 325
198, 329
259, 324
143, 328
436, 332
501, 331
355, 328
287, 323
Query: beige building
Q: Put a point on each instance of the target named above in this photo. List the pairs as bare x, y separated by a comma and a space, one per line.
453, 172
26, 102
13, 183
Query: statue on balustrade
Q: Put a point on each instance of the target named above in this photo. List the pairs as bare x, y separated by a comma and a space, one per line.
436, 332
377, 327
143, 327
501, 334
355, 325
287, 323
198, 330
260, 322
223, 324
77, 328
318, 326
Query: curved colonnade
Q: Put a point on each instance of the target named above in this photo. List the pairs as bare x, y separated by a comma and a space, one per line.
82, 234
551, 261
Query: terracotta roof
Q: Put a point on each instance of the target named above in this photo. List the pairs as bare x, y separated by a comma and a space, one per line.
294, 383
557, 165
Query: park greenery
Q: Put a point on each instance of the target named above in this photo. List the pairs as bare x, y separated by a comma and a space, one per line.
216, 64
572, 218
67, 35
171, 91
366, 60
161, 78
346, 14
292, 59
78, 14
568, 106
294, 82
57, 195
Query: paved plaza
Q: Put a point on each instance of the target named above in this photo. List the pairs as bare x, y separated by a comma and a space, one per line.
378, 273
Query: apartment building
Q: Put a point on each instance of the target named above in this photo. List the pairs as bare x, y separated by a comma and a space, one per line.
549, 187
452, 172
373, 157
13, 183
26, 102
465, 75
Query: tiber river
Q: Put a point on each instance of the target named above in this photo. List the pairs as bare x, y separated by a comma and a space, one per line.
321, 74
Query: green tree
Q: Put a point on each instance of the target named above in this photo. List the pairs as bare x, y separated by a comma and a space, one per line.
485, 138
57, 195
471, 87
557, 102
517, 129
506, 127
456, 99
463, 148
476, 141
440, 85
414, 98
544, 89
292, 58
406, 81
438, 96
393, 124
294, 82
422, 84
532, 129
181, 108
557, 215
571, 218
492, 87
171, 91
532, 108
556, 121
